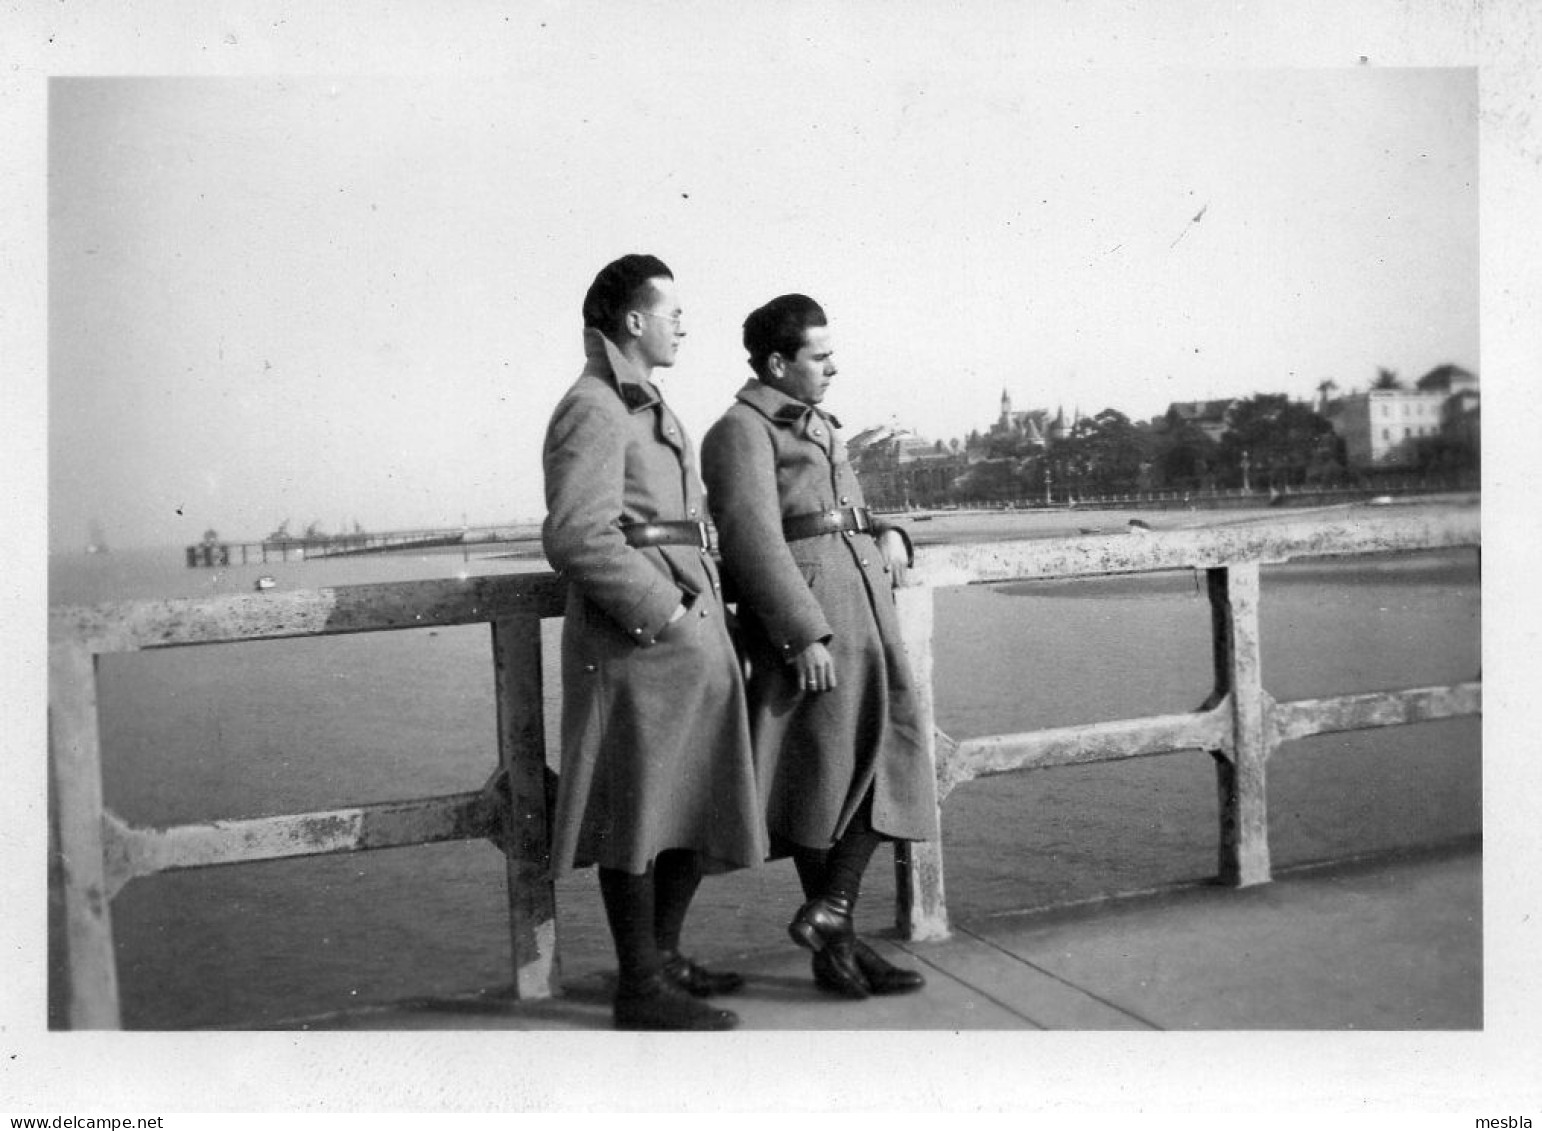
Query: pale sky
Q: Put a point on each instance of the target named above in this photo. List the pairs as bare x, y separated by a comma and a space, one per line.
356, 298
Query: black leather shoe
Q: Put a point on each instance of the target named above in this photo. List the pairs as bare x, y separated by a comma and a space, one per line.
822, 921
660, 1004
836, 970
698, 981
882, 976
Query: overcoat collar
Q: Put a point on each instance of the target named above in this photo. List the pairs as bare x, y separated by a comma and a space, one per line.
603, 359
777, 406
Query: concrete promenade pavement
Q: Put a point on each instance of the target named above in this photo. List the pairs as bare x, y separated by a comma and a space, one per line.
1392, 943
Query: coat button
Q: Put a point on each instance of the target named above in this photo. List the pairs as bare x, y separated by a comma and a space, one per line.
864, 561
845, 499
591, 667
693, 512
703, 612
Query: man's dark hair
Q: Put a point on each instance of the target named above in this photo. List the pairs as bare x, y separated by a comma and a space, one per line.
616, 290
778, 327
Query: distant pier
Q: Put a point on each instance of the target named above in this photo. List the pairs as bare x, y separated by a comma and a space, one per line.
214, 554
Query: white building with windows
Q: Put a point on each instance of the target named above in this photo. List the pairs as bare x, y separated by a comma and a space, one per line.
1384, 427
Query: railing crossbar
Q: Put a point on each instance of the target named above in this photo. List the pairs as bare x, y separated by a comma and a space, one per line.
1092, 742
135, 625
1303, 718
1205, 548
983, 756
134, 851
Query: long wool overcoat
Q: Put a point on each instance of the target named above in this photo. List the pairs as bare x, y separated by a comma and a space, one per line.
818, 753
656, 747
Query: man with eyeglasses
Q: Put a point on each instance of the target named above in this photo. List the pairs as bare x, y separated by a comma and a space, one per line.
657, 779
839, 747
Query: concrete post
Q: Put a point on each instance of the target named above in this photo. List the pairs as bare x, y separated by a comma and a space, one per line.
75, 780
522, 755
921, 910
1241, 770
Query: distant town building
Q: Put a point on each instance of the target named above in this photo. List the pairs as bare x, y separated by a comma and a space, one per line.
1036, 453
899, 468
1034, 427
1210, 417
1460, 419
1386, 428
1449, 379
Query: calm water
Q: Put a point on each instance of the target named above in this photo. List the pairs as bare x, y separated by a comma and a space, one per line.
287, 726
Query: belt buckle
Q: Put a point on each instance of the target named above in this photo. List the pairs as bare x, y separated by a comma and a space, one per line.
701, 536
859, 514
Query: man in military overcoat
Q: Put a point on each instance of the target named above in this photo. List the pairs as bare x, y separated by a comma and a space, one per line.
841, 756
657, 777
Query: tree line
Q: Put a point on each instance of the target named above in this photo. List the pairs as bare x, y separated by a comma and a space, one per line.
1270, 442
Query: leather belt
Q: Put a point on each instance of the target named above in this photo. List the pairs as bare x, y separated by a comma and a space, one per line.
667, 534
799, 526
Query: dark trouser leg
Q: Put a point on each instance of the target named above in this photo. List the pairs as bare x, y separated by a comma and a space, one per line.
838, 870
646, 998
847, 965
848, 861
676, 876
810, 863
831, 881
629, 909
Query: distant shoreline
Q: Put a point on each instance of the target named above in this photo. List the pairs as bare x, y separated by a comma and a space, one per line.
938, 526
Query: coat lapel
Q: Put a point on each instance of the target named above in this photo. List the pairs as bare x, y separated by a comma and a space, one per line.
635, 391
805, 420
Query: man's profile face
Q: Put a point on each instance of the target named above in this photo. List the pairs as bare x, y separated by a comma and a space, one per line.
807, 374
660, 312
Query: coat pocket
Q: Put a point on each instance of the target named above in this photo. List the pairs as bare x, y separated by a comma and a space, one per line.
684, 628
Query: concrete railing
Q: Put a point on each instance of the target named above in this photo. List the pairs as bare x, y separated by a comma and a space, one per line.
1239, 723
94, 852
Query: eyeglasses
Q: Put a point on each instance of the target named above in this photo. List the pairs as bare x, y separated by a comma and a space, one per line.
672, 319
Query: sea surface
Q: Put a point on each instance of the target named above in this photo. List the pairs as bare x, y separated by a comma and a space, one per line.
223, 731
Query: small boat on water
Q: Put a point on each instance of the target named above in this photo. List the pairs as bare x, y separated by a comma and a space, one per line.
265, 582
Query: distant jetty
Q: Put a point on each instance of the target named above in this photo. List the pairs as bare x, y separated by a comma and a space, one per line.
281, 546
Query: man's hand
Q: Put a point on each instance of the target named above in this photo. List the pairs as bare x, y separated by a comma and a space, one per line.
815, 667
891, 544
669, 629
